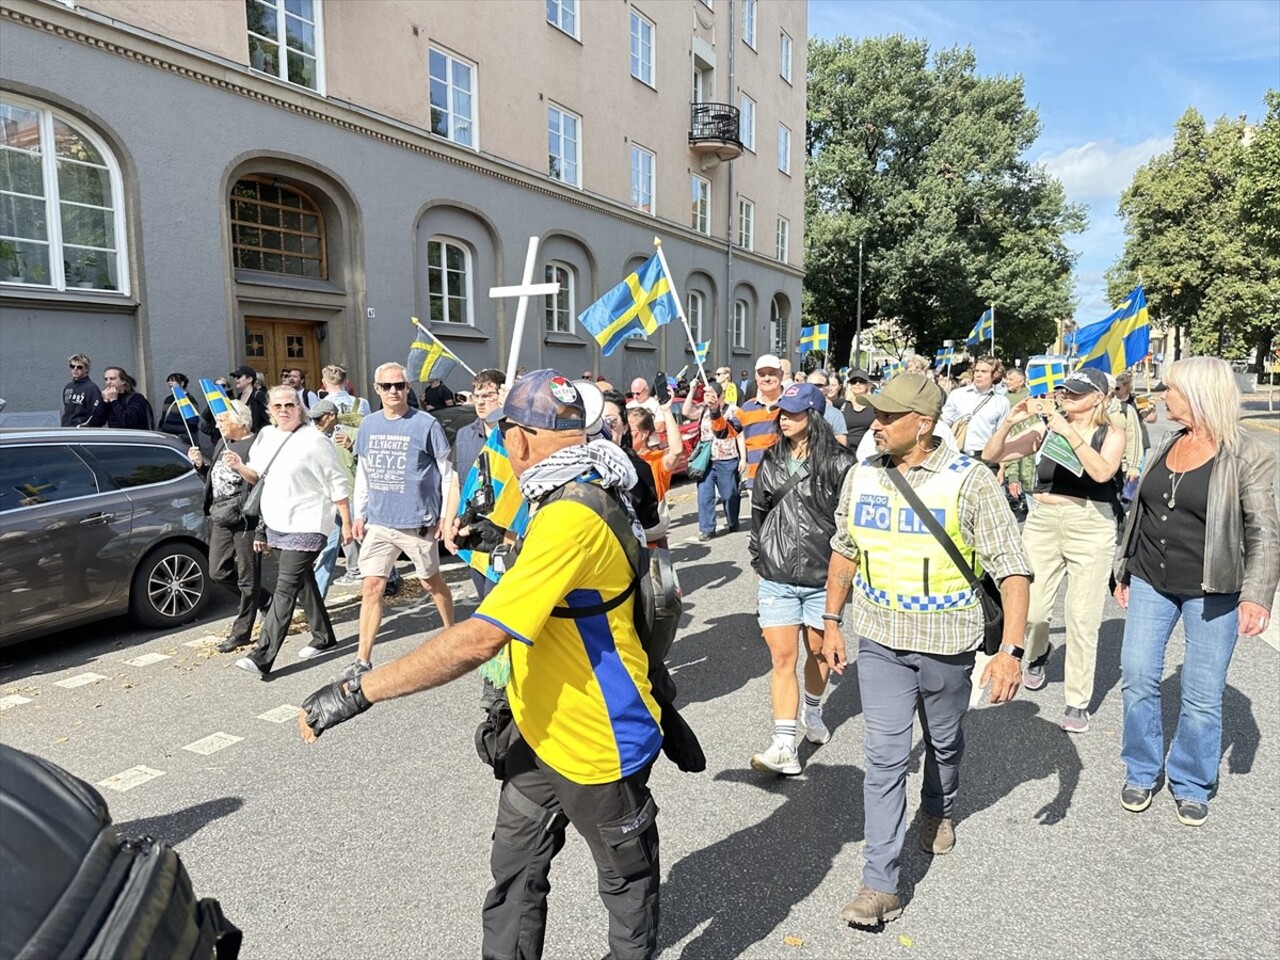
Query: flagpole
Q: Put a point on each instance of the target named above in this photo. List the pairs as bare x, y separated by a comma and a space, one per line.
675, 295
993, 329
461, 363
186, 425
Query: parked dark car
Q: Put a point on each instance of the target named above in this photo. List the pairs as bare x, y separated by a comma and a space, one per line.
97, 522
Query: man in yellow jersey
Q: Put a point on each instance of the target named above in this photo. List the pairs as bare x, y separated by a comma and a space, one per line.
918, 621
580, 695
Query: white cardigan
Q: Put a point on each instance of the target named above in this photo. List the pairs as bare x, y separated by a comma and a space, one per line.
303, 484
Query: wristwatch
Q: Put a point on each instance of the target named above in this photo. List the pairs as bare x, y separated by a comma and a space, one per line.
835, 618
1011, 650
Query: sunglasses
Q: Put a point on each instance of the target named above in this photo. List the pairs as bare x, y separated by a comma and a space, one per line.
283, 406
505, 424
613, 421
78, 366
393, 385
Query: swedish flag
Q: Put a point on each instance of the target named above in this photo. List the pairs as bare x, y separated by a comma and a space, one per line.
1115, 344
214, 397
815, 337
701, 351
984, 329
944, 356
429, 360
634, 308
892, 368
1048, 378
184, 404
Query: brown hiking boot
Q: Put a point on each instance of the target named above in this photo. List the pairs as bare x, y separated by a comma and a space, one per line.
937, 835
870, 908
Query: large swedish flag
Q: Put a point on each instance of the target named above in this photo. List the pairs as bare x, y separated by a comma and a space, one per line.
1115, 344
634, 308
984, 329
815, 337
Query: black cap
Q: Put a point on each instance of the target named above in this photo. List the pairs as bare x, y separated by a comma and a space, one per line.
243, 371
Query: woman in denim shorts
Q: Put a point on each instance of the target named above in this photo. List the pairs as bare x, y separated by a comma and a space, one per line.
793, 505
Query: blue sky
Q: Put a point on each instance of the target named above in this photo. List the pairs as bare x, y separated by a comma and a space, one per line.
1108, 78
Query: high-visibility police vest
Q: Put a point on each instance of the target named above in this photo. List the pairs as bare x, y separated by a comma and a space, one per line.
901, 564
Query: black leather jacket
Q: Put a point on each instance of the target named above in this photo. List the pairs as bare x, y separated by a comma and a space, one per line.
791, 540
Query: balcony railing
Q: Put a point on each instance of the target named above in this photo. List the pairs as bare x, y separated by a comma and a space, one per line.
714, 130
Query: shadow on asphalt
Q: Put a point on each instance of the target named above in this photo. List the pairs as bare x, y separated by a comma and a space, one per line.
719, 659
174, 828
1240, 732
693, 579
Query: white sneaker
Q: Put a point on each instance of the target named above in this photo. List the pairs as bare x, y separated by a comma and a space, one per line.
310, 651
815, 731
779, 758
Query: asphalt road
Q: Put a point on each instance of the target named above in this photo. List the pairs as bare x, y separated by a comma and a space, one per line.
374, 842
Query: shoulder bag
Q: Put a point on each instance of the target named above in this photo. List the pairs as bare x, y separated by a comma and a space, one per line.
960, 429
985, 586
700, 459
253, 503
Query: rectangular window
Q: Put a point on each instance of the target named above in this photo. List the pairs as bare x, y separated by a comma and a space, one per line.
784, 149
284, 40
784, 56
564, 146
701, 196
452, 98
740, 324
559, 306
642, 164
693, 313
746, 224
749, 23
641, 48
747, 123
448, 281
563, 15
784, 238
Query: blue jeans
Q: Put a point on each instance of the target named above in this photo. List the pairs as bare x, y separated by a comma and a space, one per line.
1210, 624
327, 560
722, 477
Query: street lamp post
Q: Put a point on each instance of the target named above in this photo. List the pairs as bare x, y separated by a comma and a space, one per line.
856, 358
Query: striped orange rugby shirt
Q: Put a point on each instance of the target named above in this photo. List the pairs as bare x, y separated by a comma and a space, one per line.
755, 422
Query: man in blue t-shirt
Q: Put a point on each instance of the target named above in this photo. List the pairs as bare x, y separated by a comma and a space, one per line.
402, 469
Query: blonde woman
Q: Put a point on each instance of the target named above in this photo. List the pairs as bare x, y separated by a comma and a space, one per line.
1201, 545
1072, 527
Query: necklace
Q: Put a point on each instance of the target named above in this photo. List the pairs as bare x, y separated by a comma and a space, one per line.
1174, 480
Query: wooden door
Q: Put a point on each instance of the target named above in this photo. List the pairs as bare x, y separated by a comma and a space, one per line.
271, 345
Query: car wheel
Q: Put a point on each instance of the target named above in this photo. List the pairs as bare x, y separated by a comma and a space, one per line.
170, 586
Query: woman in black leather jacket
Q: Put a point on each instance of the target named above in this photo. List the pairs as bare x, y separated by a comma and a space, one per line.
793, 506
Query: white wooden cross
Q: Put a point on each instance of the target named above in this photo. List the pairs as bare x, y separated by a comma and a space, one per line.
524, 291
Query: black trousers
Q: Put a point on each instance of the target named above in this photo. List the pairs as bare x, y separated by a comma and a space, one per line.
619, 822
295, 581
235, 566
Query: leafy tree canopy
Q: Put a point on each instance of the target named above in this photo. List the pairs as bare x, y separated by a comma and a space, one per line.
922, 159
1202, 232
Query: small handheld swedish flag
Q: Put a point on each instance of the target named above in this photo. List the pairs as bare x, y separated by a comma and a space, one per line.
944, 356
815, 337
702, 350
214, 397
634, 308
184, 404
428, 359
1048, 377
984, 329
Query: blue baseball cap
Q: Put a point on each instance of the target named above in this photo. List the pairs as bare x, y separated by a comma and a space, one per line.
535, 398
800, 397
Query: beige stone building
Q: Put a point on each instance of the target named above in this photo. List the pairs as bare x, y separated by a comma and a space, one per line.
189, 185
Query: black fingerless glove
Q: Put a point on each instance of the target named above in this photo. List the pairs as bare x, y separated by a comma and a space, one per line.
331, 705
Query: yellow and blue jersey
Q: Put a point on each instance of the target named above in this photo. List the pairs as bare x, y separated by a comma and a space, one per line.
579, 688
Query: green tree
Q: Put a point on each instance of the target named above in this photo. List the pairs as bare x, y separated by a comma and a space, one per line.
1202, 232
922, 159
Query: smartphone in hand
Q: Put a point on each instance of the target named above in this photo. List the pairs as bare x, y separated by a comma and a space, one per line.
1043, 406
660, 388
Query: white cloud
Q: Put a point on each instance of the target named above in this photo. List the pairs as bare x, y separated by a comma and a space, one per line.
1101, 169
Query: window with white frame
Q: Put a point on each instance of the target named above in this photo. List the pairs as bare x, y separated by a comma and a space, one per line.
564, 145
642, 164
452, 98
563, 14
284, 40
746, 224
61, 202
559, 310
778, 329
784, 56
749, 23
642, 48
448, 281
693, 312
740, 318
747, 123
700, 190
783, 239
784, 149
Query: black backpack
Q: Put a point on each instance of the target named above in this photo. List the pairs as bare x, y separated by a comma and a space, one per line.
71, 887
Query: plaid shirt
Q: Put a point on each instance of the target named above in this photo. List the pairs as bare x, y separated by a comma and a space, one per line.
986, 525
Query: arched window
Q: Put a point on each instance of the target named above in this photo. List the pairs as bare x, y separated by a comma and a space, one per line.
276, 228
560, 305
693, 313
741, 320
778, 329
448, 281
61, 202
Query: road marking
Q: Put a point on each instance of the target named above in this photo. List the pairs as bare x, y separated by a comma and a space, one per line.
147, 659
213, 743
1262, 425
79, 680
133, 777
282, 713
201, 641
13, 700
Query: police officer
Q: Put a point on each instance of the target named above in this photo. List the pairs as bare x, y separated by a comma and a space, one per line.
580, 758
918, 622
